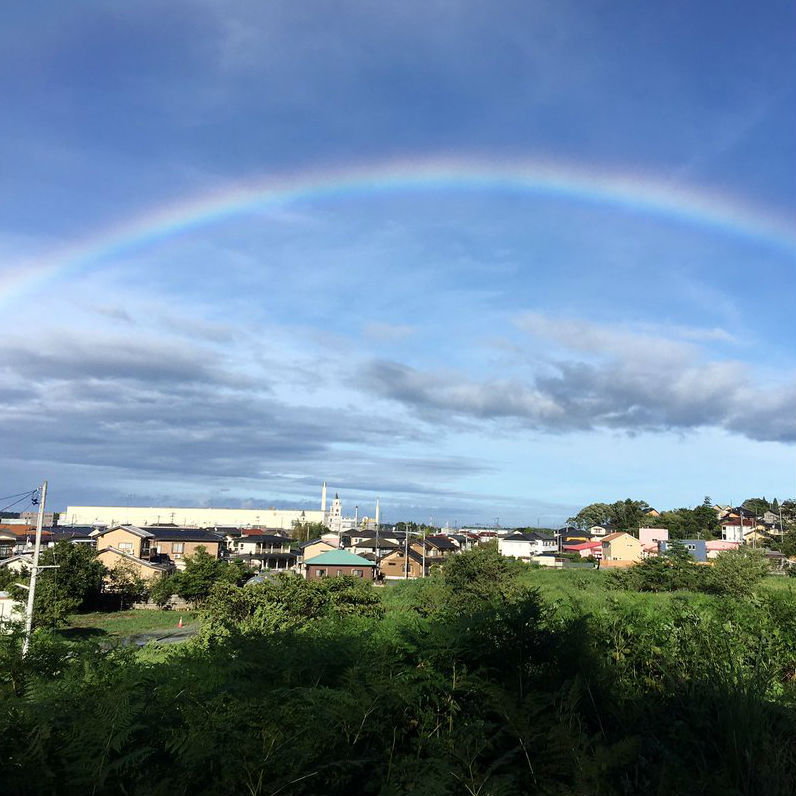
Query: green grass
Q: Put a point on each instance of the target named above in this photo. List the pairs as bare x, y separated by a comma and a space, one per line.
586, 591
120, 624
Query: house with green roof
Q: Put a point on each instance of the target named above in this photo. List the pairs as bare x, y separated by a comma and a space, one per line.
336, 563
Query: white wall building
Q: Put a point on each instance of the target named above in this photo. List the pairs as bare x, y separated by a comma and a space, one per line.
526, 546
198, 517
188, 516
732, 533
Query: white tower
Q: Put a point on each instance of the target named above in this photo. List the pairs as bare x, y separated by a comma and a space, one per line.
323, 497
336, 515
377, 512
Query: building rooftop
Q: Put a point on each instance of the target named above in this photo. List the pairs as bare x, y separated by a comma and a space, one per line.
338, 558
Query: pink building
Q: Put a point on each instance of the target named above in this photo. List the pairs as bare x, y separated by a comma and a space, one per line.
716, 546
651, 536
586, 549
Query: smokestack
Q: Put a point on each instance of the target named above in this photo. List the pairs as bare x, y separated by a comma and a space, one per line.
323, 497
377, 512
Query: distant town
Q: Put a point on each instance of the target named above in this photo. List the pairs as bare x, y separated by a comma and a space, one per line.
148, 543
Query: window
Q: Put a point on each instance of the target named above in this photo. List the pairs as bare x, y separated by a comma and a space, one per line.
339, 572
357, 573
321, 573
126, 546
177, 547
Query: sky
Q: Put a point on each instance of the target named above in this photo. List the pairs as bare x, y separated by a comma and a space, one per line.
486, 262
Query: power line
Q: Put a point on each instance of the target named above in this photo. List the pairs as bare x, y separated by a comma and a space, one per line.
26, 492
26, 496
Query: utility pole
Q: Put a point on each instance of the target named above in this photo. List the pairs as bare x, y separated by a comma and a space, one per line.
34, 570
406, 551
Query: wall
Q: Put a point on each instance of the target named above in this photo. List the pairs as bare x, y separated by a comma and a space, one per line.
199, 517
118, 537
392, 567
625, 548
111, 560
335, 571
188, 549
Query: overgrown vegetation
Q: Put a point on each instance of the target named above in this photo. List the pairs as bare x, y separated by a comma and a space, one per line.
478, 680
734, 572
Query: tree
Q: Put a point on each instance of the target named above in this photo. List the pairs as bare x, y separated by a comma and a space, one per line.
74, 585
737, 572
480, 575
201, 572
125, 582
625, 515
757, 506
593, 514
304, 531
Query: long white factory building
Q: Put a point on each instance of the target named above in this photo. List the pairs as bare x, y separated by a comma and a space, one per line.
187, 515
196, 516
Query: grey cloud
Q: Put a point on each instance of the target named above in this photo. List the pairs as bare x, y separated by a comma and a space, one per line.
149, 405
619, 393
103, 358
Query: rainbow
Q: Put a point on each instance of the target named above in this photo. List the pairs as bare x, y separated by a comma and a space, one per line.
657, 199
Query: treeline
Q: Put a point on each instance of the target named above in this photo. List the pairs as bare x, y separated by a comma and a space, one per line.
470, 684
76, 581
684, 523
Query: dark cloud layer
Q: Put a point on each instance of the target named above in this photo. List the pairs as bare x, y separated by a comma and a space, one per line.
617, 393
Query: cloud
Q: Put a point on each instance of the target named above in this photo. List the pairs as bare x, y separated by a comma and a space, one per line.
166, 406
607, 377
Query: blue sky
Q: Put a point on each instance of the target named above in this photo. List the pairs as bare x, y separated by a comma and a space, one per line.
462, 350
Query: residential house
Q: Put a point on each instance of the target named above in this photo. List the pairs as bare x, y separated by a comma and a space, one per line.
128, 539
652, 535
770, 518
8, 544
437, 547
571, 535
372, 547
651, 512
696, 547
18, 563
716, 546
337, 563
621, 547
159, 543
11, 610
396, 565
179, 543
734, 531
756, 538
25, 536
601, 530
526, 546
592, 549
266, 551
465, 541
315, 547
145, 569
650, 539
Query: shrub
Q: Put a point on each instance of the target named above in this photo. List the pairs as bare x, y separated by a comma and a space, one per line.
738, 571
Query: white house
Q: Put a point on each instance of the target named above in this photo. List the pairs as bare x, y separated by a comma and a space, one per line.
526, 546
732, 533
